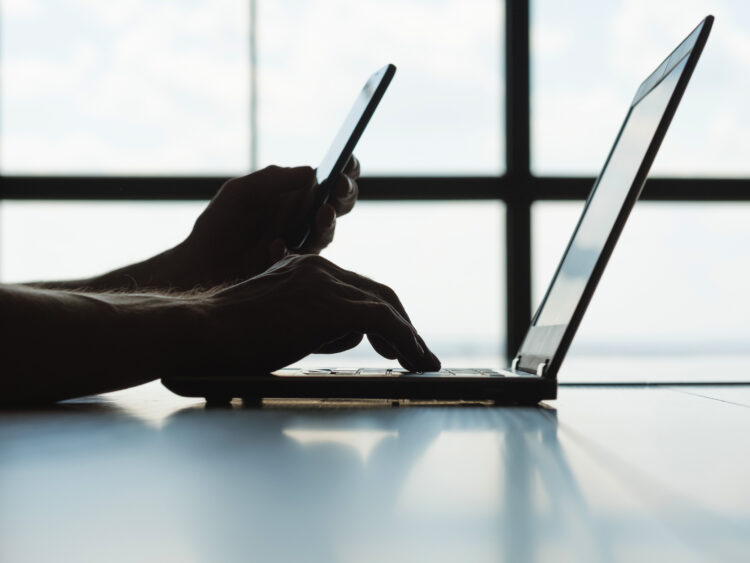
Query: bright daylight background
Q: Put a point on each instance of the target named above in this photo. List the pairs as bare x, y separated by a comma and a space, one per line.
136, 87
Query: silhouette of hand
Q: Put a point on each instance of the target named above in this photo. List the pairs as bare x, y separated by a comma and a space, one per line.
305, 304
240, 233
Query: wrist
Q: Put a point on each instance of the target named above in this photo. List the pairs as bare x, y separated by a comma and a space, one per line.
175, 331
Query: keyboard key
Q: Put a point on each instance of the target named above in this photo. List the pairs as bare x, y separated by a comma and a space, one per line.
373, 372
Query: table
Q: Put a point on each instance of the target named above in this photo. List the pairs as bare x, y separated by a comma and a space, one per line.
601, 474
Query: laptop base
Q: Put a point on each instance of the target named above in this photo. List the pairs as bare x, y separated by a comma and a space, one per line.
527, 389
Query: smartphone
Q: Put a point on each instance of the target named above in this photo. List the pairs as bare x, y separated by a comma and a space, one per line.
333, 163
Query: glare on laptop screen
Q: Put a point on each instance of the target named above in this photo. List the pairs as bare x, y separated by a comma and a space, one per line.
601, 213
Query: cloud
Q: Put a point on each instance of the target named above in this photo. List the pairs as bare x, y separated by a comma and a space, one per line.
127, 88
18, 9
442, 112
549, 41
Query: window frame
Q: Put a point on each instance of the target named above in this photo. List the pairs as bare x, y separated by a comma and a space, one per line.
517, 187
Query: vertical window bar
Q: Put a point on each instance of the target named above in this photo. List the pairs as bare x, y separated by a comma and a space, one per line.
253, 86
517, 142
1, 127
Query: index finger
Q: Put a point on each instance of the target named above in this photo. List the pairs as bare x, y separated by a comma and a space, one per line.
382, 291
386, 294
378, 318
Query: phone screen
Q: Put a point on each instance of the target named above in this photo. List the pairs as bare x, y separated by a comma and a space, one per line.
341, 149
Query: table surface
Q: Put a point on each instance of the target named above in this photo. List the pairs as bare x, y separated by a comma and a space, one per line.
601, 474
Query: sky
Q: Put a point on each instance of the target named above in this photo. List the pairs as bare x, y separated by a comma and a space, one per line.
137, 87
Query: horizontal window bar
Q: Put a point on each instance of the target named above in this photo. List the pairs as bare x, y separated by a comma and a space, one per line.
503, 188
657, 189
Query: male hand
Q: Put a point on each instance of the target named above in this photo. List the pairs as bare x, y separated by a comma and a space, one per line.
241, 232
303, 305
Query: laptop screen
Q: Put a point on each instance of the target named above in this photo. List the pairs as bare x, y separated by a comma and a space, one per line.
604, 207
613, 187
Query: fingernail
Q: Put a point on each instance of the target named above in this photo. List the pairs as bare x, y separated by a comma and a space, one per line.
347, 188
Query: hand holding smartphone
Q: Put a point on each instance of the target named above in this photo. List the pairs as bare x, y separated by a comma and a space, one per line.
335, 160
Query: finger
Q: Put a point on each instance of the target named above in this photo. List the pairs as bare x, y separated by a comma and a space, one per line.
382, 291
270, 180
344, 194
376, 310
325, 222
382, 347
436, 361
341, 344
352, 167
277, 250
323, 230
379, 318
280, 179
385, 293
294, 212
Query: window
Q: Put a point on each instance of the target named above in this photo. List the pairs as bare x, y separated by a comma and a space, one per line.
58, 240
442, 114
588, 58
133, 88
675, 286
416, 255
99, 91
92, 89
124, 87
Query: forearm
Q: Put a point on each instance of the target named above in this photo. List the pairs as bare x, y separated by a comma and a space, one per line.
61, 344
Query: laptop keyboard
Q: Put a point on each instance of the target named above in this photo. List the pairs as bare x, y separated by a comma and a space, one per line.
398, 372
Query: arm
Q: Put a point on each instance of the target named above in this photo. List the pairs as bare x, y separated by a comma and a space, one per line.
67, 344
239, 235
60, 344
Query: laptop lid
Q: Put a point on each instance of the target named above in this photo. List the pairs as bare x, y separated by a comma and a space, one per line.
611, 199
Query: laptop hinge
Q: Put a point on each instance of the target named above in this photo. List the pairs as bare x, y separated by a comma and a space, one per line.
514, 364
539, 368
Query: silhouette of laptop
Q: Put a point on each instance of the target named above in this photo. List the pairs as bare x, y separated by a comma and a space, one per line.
532, 377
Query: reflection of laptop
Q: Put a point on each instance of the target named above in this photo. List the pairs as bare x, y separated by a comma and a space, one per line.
532, 377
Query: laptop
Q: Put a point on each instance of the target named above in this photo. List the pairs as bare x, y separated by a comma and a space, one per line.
532, 377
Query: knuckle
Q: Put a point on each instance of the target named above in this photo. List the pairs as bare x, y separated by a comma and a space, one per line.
317, 261
384, 310
311, 264
268, 173
230, 185
388, 293
385, 293
308, 260
234, 186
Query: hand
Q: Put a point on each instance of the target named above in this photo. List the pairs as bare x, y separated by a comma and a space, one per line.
237, 236
240, 233
303, 305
